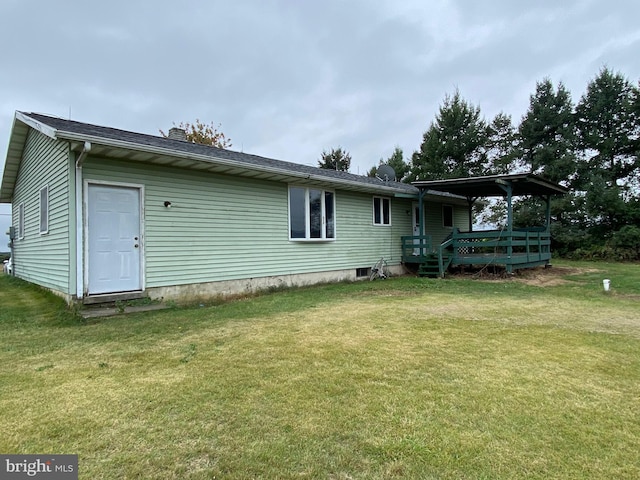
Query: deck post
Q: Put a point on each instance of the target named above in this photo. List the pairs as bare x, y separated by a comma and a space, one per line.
421, 194
471, 201
506, 186
509, 228
547, 199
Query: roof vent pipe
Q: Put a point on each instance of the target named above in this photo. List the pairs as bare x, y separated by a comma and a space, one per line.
176, 133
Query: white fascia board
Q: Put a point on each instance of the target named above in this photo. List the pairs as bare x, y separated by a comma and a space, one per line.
39, 126
220, 161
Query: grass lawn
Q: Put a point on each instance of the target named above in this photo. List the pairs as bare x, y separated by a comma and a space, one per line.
533, 377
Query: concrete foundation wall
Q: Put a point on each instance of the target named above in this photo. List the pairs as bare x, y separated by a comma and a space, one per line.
210, 290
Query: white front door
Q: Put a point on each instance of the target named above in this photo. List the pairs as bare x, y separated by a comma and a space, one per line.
113, 239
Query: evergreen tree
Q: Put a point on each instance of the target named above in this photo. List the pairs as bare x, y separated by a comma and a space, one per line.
336, 159
604, 206
547, 133
608, 127
395, 161
547, 139
373, 171
502, 143
454, 144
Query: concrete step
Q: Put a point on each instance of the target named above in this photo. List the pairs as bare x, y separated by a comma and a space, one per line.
99, 311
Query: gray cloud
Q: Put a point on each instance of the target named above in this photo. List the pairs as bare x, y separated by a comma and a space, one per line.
288, 79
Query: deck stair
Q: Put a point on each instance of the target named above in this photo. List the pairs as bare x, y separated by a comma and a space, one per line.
432, 266
429, 267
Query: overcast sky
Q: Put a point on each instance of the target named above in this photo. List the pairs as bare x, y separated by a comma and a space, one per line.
288, 79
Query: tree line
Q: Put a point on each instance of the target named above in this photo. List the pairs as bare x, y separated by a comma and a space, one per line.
592, 147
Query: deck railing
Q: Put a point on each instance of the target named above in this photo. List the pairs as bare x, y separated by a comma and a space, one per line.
527, 242
520, 248
416, 246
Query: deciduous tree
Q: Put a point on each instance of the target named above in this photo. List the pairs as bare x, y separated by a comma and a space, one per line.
204, 134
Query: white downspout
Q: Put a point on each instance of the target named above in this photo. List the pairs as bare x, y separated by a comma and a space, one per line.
80, 223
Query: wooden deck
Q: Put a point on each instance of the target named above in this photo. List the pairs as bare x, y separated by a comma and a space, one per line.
523, 248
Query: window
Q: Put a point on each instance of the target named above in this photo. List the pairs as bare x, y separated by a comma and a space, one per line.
447, 216
44, 209
311, 214
363, 272
21, 221
381, 211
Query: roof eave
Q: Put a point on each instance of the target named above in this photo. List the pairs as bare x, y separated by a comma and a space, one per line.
17, 140
285, 174
441, 185
23, 122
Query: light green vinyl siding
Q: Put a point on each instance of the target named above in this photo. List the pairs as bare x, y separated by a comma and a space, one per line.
221, 227
433, 220
43, 258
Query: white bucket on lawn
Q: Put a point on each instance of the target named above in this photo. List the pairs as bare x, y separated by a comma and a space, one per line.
606, 283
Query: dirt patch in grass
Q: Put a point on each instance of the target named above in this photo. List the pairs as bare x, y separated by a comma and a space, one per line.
538, 277
549, 277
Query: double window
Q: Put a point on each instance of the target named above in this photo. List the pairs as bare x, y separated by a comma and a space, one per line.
311, 214
381, 211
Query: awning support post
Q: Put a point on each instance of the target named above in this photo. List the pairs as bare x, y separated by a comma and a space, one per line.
547, 199
470, 202
506, 186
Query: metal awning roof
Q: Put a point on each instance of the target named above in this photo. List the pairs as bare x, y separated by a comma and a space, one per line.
494, 186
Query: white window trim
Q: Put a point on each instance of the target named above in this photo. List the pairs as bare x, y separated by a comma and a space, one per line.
21, 227
46, 230
381, 224
307, 237
453, 219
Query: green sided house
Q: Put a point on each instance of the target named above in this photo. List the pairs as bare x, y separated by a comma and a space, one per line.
101, 213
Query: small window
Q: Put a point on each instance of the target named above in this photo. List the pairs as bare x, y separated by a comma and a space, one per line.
44, 209
447, 216
381, 211
21, 221
363, 272
311, 214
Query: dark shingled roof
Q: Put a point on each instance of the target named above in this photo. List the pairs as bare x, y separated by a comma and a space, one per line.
184, 147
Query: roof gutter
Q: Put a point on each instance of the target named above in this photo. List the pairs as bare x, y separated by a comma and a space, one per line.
88, 139
86, 148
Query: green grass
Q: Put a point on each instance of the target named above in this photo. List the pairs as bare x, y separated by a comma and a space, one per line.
405, 378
